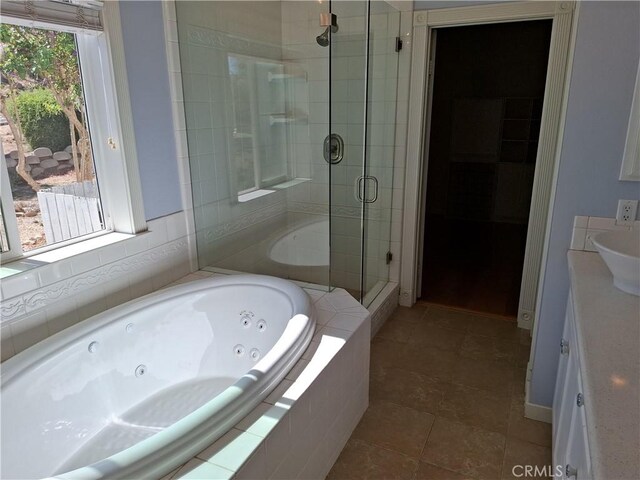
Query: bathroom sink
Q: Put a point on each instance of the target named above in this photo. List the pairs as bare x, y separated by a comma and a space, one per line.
620, 250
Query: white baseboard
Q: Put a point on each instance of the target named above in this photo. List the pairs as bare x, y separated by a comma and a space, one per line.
533, 410
525, 318
538, 412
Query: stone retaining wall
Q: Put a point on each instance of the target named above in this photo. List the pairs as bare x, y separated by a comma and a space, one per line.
42, 160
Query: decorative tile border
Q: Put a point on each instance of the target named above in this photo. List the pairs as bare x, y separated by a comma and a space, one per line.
40, 298
208, 37
338, 211
244, 221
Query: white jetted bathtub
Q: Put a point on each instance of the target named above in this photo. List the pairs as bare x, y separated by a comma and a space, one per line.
140, 389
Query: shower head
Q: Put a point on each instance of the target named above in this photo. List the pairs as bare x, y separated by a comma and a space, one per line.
330, 21
323, 38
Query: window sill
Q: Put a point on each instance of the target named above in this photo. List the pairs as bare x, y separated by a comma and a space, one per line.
67, 252
46, 268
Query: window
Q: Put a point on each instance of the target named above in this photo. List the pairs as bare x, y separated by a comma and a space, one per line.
64, 174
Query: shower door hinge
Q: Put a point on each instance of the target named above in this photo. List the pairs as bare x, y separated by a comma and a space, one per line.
398, 44
389, 257
430, 69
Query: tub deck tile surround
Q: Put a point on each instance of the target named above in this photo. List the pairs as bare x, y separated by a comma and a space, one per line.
299, 430
449, 411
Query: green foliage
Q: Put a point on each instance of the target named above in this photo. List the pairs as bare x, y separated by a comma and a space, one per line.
47, 58
42, 120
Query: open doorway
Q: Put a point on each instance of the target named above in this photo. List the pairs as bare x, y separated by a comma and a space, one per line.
487, 92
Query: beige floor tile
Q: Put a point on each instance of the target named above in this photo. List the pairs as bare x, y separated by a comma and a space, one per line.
414, 357
480, 347
494, 327
361, 460
523, 428
412, 314
431, 472
429, 335
433, 362
524, 337
448, 318
518, 382
519, 453
395, 427
467, 450
522, 357
386, 353
480, 408
496, 377
397, 329
407, 388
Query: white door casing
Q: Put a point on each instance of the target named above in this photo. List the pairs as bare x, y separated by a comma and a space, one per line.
554, 109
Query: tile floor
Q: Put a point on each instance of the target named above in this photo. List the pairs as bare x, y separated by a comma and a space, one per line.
446, 401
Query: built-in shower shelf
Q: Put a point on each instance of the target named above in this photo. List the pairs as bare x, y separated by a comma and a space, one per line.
300, 75
285, 119
242, 135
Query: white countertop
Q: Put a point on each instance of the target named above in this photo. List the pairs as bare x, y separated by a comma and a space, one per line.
608, 330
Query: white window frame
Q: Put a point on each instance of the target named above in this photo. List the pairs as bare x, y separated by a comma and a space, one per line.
106, 91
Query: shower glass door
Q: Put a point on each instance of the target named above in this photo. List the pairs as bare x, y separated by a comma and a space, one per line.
363, 84
382, 83
348, 99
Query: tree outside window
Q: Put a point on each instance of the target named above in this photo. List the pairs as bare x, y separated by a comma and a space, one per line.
42, 104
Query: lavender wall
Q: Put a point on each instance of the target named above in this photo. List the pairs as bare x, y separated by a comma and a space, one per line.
148, 75
602, 82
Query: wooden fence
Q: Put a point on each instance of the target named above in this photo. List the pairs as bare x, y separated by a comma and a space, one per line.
69, 211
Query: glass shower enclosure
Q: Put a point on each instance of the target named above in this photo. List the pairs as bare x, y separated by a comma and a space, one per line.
290, 119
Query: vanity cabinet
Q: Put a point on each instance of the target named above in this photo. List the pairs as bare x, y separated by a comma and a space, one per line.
571, 458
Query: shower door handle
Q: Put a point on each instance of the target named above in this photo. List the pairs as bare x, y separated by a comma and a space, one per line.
360, 189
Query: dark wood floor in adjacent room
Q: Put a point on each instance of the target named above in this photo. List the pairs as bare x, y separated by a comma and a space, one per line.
475, 266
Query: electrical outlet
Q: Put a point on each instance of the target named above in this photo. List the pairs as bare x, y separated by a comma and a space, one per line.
627, 211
